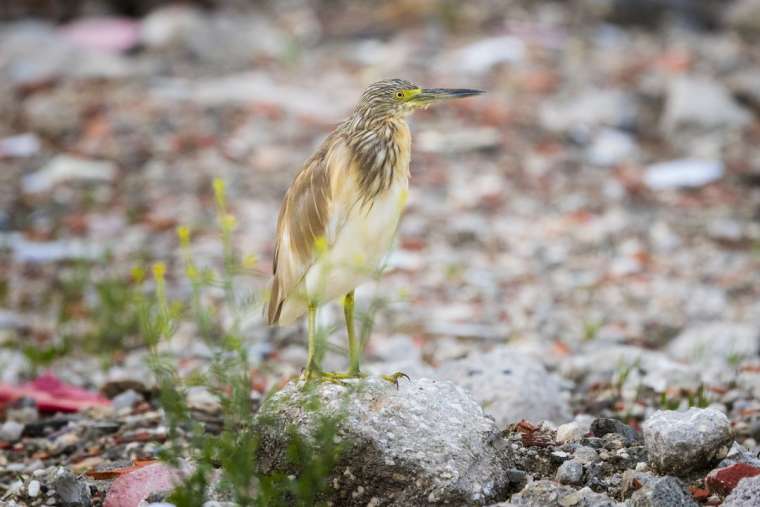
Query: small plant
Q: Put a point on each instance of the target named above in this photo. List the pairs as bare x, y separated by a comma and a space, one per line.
217, 308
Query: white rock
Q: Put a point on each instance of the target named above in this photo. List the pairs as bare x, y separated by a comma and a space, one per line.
510, 386
22, 145
702, 103
679, 442
64, 168
170, 25
610, 147
429, 436
10, 431
574, 430
682, 173
592, 108
33, 489
484, 54
722, 342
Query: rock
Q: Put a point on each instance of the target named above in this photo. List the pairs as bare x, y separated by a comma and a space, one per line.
480, 56
200, 398
108, 34
33, 489
610, 147
701, 103
65, 168
723, 480
585, 455
605, 425
683, 173
662, 492
11, 431
127, 399
746, 494
595, 363
570, 472
550, 494
22, 145
589, 109
169, 26
725, 342
738, 454
575, 430
681, 442
425, 442
510, 386
70, 491
744, 16
137, 486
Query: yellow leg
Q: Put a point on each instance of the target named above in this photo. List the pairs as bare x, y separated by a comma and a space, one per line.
311, 368
353, 345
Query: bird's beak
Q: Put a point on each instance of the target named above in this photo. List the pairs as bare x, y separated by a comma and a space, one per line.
428, 95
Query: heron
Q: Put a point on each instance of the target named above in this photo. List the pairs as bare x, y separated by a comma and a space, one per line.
340, 215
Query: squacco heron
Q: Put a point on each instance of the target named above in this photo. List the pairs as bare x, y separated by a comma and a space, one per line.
339, 217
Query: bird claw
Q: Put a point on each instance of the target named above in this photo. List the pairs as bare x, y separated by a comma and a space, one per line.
394, 377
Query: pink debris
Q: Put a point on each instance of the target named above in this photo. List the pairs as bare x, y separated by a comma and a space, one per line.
109, 34
131, 489
52, 395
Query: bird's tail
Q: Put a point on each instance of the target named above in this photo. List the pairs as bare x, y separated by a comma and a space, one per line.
274, 308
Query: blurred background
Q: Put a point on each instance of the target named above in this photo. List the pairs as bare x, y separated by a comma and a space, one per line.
604, 194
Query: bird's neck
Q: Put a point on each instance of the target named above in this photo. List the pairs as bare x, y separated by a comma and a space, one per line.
379, 149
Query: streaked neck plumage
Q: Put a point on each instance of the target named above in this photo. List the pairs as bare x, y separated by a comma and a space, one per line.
375, 148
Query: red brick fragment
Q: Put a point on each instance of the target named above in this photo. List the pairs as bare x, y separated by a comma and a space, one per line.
723, 480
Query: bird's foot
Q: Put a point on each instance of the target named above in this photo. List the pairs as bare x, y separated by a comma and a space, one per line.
393, 378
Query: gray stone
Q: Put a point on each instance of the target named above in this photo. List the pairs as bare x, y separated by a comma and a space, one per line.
423, 443
701, 103
546, 493
605, 425
510, 386
71, 492
11, 431
724, 342
127, 399
680, 442
574, 430
738, 454
570, 472
745, 494
590, 109
744, 16
662, 492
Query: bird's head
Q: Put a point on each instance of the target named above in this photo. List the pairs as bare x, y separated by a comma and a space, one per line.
396, 98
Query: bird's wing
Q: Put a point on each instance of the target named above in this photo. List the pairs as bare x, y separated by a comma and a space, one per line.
309, 215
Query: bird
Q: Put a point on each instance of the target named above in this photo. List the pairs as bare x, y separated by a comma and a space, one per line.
339, 217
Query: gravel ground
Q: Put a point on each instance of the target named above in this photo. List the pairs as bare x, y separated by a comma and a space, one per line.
585, 234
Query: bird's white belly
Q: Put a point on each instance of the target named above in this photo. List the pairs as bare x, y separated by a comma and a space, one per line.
360, 247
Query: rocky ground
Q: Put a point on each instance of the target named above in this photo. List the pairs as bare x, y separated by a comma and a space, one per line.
579, 255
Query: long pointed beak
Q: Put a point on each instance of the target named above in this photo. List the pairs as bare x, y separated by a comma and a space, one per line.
434, 94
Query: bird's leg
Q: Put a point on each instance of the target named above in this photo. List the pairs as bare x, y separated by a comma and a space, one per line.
353, 345
311, 369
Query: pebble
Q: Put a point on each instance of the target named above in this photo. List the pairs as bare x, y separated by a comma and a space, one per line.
662, 492
746, 494
11, 431
33, 489
570, 472
604, 426
681, 441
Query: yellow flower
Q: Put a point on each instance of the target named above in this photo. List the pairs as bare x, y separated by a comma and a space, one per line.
219, 192
159, 270
183, 232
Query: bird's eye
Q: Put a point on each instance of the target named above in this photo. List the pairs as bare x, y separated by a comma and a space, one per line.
400, 95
